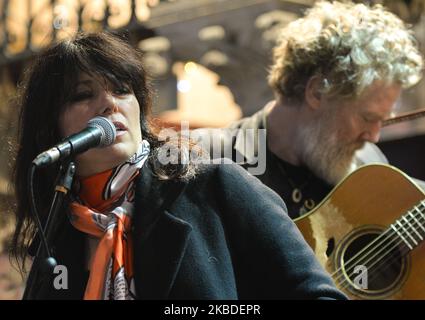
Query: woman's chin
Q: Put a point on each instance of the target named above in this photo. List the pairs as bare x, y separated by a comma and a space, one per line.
102, 159
120, 151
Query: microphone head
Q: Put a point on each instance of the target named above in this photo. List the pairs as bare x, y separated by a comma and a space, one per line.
109, 133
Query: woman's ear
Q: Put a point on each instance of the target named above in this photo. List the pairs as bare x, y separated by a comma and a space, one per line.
312, 92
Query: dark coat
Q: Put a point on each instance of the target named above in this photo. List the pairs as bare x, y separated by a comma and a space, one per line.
222, 235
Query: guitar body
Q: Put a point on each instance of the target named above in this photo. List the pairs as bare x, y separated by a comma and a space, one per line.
344, 228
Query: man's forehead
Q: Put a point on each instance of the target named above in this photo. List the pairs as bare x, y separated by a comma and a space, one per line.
379, 99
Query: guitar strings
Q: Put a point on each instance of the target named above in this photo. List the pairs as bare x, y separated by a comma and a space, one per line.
389, 243
377, 239
352, 259
346, 281
391, 250
387, 262
393, 234
382, 235
374, 272
385, 236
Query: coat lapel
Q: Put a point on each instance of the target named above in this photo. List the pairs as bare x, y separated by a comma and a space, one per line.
160, 239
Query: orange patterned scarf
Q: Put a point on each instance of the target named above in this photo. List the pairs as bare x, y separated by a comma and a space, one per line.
103, 210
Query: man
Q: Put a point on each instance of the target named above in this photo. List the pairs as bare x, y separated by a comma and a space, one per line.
336, 75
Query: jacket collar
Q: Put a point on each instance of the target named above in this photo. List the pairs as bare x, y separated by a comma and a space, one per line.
159, 238
248, 146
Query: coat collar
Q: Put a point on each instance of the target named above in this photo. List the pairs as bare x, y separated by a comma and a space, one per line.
249, 145
159, 238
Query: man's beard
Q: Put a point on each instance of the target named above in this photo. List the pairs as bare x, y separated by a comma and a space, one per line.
326, 156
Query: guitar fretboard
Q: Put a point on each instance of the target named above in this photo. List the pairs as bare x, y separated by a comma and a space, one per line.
410, 228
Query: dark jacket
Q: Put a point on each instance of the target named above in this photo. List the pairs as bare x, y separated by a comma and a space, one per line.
222, 235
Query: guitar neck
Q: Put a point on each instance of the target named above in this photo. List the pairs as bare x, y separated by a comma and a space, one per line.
404, 117
410, 228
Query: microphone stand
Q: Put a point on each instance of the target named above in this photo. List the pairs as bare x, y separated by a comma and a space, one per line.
44, 264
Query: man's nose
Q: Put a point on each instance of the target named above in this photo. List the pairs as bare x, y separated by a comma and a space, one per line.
373, 133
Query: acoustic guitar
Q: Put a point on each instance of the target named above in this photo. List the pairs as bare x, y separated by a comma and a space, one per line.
369, 232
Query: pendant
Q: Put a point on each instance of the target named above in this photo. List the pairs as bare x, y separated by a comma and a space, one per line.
309, 204
302, 211
296, 195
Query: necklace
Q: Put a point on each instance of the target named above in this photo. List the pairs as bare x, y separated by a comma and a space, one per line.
297, 195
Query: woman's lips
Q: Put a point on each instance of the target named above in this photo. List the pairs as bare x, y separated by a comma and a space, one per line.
120, 133
120, 128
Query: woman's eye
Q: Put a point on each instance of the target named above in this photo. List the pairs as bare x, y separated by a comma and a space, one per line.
80, 96
122, 91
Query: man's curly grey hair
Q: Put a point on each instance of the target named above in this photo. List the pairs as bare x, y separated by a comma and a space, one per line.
349, 46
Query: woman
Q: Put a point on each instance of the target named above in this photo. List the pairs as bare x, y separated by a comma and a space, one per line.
135, 227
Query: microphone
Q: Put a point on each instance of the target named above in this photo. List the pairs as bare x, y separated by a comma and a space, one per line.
100, 132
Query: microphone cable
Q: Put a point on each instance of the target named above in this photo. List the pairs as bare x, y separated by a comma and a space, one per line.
34, 210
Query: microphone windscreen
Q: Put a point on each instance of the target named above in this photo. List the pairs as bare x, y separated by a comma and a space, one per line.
109, 132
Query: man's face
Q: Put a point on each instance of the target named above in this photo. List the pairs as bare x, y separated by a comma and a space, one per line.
343, 127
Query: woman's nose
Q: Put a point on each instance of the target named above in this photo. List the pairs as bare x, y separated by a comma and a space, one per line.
107, 103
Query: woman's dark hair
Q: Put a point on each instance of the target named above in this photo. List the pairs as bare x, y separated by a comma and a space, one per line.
47, 87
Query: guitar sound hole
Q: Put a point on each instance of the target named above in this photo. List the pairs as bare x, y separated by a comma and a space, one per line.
383, 260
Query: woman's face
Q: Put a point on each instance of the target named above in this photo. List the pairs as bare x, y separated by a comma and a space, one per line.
96, 97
